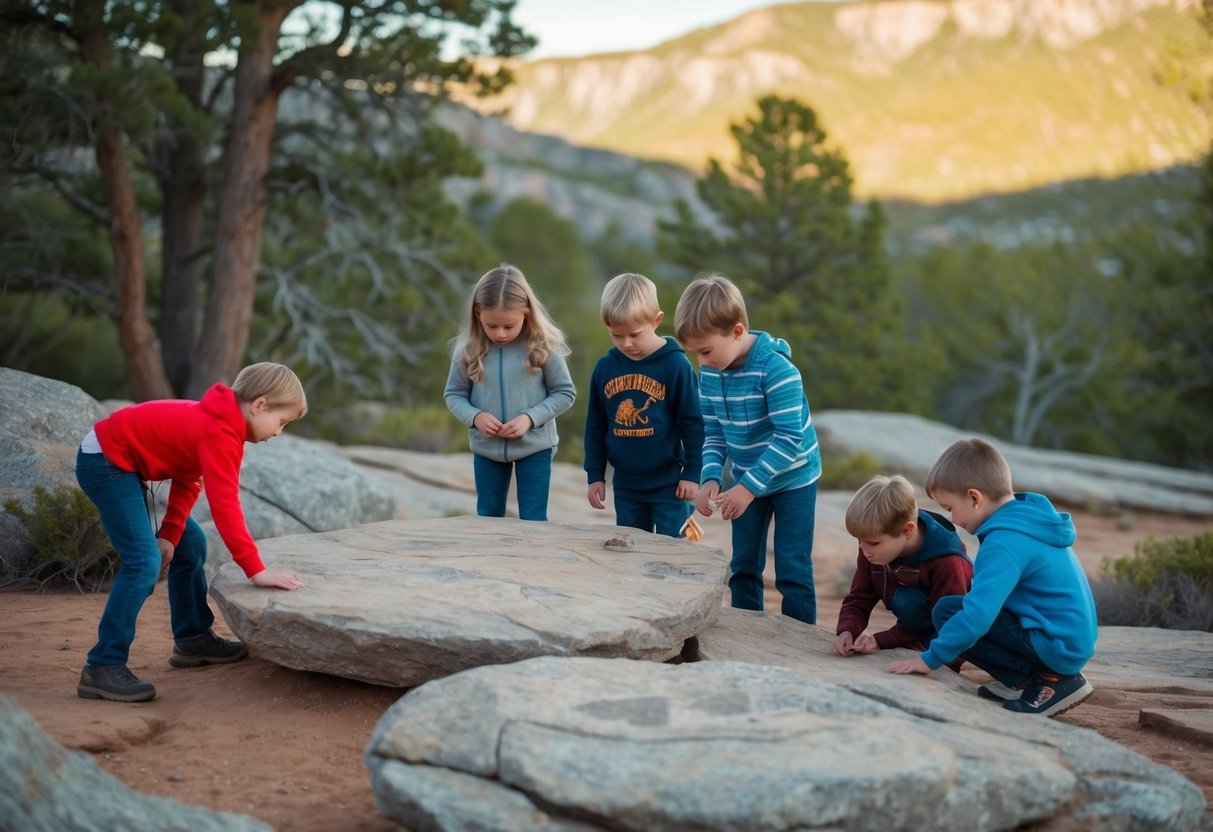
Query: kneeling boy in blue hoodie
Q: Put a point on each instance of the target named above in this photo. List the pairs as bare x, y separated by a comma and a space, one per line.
908, 558
1029, 620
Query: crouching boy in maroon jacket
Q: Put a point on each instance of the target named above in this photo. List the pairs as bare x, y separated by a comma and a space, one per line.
909, 558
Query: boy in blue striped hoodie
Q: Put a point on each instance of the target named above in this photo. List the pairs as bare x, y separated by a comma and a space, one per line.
755, 415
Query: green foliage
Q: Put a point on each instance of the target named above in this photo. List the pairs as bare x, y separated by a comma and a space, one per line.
1151, 559
427, 428
344, 81
353, 306
1166, 583
786, 231
552, 255
1025, 337
849, 472
68, 545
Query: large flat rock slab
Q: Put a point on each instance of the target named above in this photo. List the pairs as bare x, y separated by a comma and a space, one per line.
584, 743
1153, 660
400, 603
1114, 788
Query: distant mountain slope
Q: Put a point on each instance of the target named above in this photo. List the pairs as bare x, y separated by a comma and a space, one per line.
930, 99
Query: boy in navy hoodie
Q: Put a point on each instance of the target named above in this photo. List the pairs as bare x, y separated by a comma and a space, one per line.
643, 415
1029, 620
909, 558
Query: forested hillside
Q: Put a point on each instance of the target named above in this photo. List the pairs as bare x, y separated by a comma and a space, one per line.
932, 99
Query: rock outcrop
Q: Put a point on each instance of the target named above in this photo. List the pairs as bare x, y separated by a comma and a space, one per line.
402, 603
771, 731
47, 788
910, 444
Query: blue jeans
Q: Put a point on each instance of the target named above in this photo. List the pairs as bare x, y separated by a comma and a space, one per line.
119, 497
912, 606
1005, 651
534, 474
794, 513
651, 509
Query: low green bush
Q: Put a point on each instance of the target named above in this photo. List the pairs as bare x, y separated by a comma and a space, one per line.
68, 546
1164, 583
847, 473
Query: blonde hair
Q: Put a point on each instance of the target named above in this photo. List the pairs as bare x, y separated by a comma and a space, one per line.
970, 463
505, 288
882, 505
629, 298
276, 382
711, 305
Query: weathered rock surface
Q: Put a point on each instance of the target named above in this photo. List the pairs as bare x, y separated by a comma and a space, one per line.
399, 603
45, 787
1152, 659
290, 486
1115, 788
771, 731
911, 444
587, 743
41, 424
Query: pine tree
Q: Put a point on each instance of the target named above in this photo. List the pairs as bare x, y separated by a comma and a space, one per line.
783, 226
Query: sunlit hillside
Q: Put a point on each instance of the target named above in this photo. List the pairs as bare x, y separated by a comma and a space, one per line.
930, 99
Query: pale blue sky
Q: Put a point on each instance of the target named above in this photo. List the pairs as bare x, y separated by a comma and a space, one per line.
575, 27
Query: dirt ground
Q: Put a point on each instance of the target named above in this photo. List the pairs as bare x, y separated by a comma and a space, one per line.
286, 746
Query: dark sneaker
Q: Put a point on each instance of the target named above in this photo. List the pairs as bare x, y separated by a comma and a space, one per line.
1049, 695
999, 692
114, 682
207, 648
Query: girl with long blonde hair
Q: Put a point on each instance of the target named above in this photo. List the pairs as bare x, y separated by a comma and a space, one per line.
508, 383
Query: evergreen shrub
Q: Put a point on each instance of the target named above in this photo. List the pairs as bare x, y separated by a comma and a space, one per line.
67, 547
1164, 583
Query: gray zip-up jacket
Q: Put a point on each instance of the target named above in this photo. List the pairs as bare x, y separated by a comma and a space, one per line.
508, 390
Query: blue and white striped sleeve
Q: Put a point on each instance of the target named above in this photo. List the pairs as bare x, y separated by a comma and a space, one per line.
784, 392
715, 449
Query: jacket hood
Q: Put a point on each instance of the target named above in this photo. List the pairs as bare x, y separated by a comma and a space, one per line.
670, 345
1032, 515
765, 346
220, 401
939, 538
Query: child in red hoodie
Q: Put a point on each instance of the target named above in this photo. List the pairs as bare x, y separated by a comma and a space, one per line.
192, 444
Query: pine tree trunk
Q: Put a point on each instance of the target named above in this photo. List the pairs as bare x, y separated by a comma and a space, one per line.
242, 206
180, 167
135, 333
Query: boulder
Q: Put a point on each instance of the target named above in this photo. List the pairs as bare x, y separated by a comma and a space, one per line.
44, 786
1114, 789
41, 424
291, 485
787, 737
910, 444
399, 603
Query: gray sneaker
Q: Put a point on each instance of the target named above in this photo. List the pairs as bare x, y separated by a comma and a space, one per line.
207, 648
114, 682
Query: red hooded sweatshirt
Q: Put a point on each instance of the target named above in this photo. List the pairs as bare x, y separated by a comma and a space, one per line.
188, 442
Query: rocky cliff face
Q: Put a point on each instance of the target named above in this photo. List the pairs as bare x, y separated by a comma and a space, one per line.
929, 99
